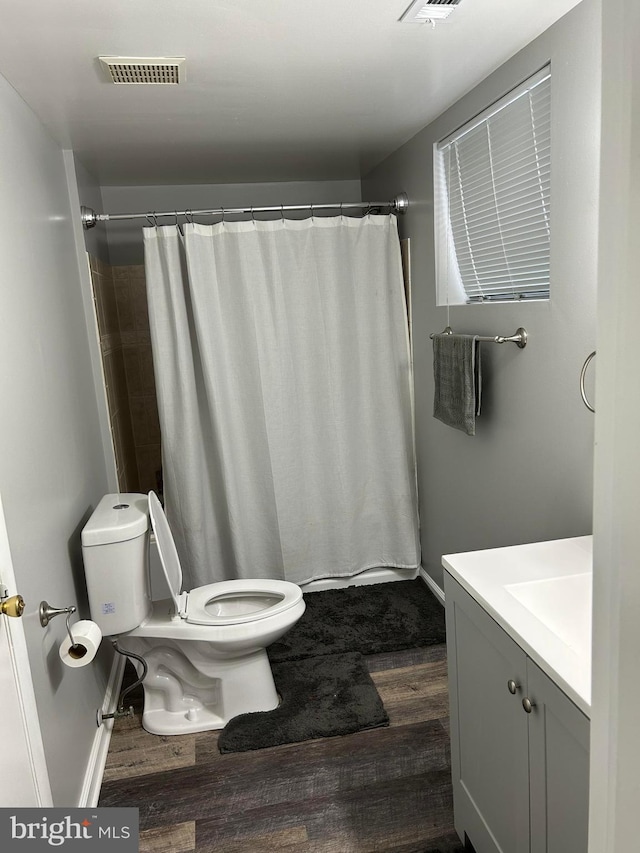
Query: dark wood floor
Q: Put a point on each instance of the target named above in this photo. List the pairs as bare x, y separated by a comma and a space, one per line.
385, 790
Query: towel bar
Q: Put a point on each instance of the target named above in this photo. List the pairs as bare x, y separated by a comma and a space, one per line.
520, 337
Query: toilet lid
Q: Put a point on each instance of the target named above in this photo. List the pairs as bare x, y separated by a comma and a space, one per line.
166, 548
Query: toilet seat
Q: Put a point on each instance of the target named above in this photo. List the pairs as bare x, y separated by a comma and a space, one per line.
224, 603
243, 599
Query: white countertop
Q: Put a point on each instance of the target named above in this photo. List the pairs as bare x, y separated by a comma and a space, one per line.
540, 594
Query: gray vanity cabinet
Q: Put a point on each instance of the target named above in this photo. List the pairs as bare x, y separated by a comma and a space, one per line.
558, 768
520, 780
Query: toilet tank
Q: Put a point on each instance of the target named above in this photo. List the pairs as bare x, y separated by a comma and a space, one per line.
115, 550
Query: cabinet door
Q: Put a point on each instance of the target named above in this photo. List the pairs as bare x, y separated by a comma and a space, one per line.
559, 768
489, 748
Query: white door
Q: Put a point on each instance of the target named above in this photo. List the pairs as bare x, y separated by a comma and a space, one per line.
615, 719
24, 780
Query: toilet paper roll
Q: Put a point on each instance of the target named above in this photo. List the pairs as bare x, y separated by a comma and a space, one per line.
87, 636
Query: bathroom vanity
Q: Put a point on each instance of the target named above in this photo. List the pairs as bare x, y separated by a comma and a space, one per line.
519, 657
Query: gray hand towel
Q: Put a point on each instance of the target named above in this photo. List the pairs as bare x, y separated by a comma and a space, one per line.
458, 381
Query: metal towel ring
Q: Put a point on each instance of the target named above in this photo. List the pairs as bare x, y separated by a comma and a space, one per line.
582, 375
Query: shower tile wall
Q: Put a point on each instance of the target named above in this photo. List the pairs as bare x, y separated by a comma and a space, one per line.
133, 318
123, 321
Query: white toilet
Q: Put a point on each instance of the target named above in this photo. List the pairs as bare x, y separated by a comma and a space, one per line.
205, 649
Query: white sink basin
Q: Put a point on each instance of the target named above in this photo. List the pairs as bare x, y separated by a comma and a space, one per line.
562, 604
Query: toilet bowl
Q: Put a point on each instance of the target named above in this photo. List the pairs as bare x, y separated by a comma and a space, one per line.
205, 649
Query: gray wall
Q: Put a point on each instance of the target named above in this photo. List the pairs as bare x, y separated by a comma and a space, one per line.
527, 474
52, 466
125, 239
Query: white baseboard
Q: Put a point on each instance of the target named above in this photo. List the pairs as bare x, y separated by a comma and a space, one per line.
90, 793
433, 586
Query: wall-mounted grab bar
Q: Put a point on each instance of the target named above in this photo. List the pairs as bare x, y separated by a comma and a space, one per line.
520, 337
583, 373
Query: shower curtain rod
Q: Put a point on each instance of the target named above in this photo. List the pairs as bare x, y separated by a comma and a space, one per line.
89, 217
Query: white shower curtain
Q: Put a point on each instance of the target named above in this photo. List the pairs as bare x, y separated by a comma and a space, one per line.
283, 379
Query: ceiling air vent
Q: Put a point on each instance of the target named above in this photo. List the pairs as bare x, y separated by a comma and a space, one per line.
144, 69
429, 12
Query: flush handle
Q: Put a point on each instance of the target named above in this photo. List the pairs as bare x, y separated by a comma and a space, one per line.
13, 606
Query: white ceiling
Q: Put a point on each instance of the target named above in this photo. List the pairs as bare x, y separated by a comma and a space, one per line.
276, 89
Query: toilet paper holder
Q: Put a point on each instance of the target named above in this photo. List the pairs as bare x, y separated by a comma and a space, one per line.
47, 612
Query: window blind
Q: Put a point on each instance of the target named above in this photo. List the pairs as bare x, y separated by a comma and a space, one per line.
494, 204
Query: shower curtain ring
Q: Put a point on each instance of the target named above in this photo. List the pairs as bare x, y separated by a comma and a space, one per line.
150, 219
282, 212
188, 215
253, 218
222, 209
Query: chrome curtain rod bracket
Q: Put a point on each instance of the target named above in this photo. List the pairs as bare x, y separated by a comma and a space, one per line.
400, 204
88, 216
520, 337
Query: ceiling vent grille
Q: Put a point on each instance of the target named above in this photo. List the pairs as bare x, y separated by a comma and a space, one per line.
144, 69
429, 12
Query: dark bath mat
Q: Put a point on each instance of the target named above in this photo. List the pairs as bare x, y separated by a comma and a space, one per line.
321, 697
383, 617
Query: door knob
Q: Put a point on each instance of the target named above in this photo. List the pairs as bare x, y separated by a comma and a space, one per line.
528, 705
13, 606
512, 686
